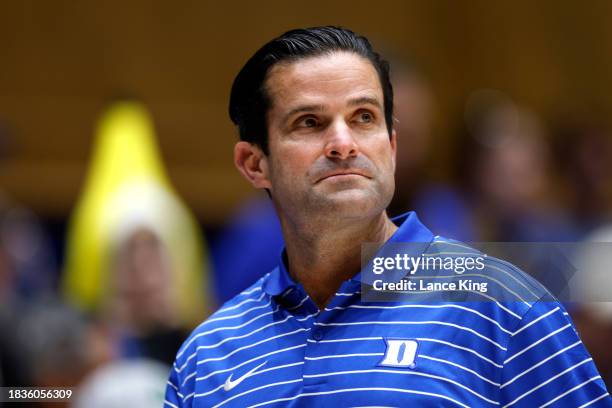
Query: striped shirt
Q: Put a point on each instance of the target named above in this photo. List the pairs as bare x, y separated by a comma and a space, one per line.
272, 346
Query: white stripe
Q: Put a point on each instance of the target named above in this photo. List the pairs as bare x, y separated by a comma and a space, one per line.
520, 397
188, 396
594, 400
488, 277
494, 267
248, 346
416, 323
176, 389
545, 315
234, 338
539, 364
299, 304
458, 245
402, 390
248, 292
420, 339
344, 355
242, 336
348, 339
502, 307
226, 328
462, 348
236, 306
252, 375
537, 342
474, 252
348, 294
257, 389
203, 394
301, 319
216, 319
287, 292
558, 397
184, 347
169, 403
459, 366
225, 370
467, 309
172, 385
535, 296
403, 372
185, 382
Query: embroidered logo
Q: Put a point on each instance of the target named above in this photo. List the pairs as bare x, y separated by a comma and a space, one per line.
229, 384
400, 353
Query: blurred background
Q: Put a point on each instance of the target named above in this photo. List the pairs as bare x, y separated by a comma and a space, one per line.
123, 222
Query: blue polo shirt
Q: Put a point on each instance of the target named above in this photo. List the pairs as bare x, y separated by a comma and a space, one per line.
272, 346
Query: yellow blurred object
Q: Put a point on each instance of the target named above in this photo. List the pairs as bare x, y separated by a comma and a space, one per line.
126, 189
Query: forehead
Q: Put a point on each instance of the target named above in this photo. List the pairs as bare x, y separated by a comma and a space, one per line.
322, 79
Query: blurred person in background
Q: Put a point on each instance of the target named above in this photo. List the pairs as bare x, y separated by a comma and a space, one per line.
414, 105
33, 271
503, 177
583, 158
53, 345
134, 383
29, 268
140, 303
592, 311
28, 278
445, 211
135, 258
247, 247
583, 155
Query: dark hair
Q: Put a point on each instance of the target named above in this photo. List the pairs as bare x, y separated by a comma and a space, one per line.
249, 101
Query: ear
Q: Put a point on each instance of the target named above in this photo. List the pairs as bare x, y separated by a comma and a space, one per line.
393, 141
253, 164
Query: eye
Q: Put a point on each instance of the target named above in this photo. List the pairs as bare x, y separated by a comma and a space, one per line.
365, 117
308, 122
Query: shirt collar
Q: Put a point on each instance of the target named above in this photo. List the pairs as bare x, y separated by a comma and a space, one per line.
410, 230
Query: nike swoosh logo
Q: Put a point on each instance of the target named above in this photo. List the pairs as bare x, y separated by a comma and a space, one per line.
229, 384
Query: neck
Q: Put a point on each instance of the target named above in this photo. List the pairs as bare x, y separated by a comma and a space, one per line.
324, 254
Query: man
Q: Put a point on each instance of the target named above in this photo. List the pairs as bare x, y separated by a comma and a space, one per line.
314, 110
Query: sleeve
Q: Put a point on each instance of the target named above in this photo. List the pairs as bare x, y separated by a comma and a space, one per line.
173, 397
546, 364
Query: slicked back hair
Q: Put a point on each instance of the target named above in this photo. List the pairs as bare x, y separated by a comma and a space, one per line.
249, 101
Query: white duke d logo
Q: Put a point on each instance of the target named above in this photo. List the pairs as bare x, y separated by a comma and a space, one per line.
400, 353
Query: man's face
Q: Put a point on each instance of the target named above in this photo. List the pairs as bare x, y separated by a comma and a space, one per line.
329, 148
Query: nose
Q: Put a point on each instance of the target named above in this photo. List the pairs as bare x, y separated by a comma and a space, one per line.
341, 143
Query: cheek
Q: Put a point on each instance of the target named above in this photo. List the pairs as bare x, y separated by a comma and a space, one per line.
382, 155
292, 162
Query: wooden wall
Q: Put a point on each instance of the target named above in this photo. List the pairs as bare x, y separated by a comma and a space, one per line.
61, 61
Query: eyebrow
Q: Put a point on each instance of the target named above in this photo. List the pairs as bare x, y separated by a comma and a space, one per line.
365, 100
305, 108
319, 108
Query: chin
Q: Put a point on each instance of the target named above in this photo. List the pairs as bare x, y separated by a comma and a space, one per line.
354, 202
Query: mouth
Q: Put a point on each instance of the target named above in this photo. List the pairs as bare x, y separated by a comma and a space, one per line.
343, 174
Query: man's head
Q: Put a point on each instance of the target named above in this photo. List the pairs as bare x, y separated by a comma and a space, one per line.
314, 110
250, 100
